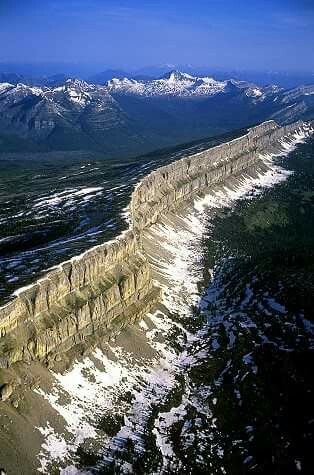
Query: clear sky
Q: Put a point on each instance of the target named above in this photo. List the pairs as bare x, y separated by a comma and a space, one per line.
240, 34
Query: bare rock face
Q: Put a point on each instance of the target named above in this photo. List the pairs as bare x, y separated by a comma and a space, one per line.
108, 286
111, 285
166, 188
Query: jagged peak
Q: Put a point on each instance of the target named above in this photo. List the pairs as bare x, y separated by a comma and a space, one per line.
123, 80
35, 90
177, 75
77, 84
6, 85
175, 83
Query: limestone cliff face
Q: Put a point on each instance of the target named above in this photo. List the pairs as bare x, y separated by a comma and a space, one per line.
166, 188
107, 286
111, 285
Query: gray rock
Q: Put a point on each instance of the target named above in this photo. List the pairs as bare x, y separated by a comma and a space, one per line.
111, 285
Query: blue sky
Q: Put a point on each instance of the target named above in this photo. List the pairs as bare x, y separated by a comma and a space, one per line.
241, 34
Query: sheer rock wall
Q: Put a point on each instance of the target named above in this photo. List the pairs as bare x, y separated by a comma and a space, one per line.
95, 293
111, 285
167, 187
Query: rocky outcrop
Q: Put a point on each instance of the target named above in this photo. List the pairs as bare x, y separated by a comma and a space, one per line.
97, 292
109, 286
166, 188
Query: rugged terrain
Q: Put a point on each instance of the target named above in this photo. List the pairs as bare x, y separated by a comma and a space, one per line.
113, 281
132, 116
168, 403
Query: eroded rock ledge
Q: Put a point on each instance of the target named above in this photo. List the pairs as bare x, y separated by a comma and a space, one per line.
111, 285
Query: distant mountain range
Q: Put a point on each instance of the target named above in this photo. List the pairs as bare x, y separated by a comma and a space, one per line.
133, 115
43, 73
180, 84
14, 78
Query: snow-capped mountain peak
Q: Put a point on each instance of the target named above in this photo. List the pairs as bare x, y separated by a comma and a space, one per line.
78, 84
177, 76
5, 86
25, 89
174, 83
78, 92
77, 112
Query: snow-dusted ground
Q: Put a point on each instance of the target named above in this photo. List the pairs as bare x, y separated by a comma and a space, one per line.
53, 210
96, 386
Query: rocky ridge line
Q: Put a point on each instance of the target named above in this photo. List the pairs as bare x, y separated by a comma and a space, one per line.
111, 285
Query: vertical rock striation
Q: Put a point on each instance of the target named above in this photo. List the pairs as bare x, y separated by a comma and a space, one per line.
167, 187
111, 285
95, 293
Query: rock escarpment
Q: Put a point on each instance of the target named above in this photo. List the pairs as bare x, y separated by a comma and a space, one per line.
111, 285
92, 294
167, 187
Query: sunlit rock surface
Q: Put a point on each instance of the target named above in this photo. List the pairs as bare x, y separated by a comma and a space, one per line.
115, 284
113, 280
